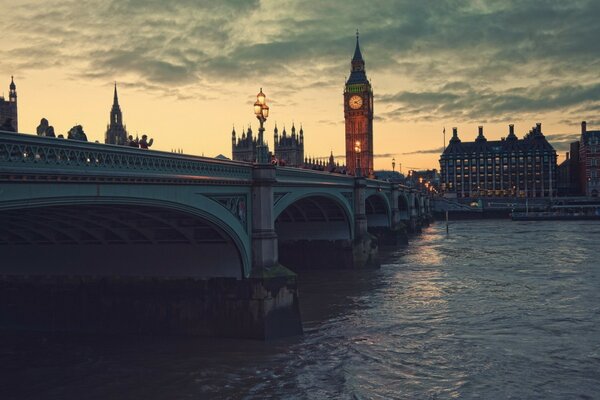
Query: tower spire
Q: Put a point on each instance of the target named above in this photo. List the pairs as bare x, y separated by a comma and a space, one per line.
116, 98
357, 53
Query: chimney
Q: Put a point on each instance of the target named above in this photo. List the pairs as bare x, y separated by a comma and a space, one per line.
583, 127
538, 127
454, 132
480, 130
511, 129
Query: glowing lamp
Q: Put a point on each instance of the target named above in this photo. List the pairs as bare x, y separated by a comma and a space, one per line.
257, 108
260, 97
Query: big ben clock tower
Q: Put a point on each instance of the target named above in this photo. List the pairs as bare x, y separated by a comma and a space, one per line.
358, 114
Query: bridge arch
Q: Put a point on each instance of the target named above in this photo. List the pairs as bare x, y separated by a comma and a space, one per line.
378, 211
416, 204
314, 230
133, 236
403, 207
313, 215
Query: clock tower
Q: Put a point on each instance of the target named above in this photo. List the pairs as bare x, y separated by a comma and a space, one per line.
358, 115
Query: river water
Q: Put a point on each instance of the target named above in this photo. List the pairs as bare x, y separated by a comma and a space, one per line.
495, 310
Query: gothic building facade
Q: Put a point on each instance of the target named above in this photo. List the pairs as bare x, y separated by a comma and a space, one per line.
116, 132
589, 161
8, 110
289, 148
508, 167
244, 147
358, 116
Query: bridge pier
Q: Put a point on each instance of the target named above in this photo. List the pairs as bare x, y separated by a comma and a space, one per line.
226, 307
365, 249
274, 292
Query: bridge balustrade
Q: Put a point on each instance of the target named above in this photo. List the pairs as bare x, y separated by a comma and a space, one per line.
20, 153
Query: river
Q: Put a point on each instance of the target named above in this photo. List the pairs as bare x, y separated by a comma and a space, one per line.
495, 310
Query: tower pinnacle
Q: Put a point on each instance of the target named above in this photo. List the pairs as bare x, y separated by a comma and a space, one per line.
116, 98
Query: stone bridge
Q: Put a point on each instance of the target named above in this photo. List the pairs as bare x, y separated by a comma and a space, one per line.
99, 238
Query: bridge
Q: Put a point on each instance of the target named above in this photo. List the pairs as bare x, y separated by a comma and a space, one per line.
98, 238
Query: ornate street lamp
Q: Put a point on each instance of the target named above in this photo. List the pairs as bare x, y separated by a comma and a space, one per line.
394, 164
357, 153
261, 110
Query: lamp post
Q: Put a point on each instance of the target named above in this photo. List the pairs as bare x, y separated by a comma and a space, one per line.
357, 153
261, 109
393, 164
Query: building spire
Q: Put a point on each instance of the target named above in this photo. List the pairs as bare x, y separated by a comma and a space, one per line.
116, 99
357, 53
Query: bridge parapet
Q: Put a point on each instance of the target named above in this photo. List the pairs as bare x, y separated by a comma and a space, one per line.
27, 154
297, 176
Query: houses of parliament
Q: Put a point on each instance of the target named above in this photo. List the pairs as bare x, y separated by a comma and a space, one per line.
358, 116
8, 109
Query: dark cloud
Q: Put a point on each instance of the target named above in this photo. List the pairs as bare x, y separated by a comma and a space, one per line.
461, 102
455, 54
437, 150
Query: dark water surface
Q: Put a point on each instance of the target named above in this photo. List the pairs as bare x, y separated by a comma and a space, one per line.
496, 310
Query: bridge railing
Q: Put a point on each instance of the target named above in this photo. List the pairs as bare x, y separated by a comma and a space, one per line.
298, 176
28, 154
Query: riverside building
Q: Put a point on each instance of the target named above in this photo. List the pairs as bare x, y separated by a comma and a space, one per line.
508, 167
589, 161
8, 110
289, 148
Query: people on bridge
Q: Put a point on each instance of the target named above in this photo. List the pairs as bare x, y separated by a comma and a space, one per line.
45, 129
77, 133
131, 142
145, 143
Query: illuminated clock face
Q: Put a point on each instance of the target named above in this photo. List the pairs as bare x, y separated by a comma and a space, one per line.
355, 102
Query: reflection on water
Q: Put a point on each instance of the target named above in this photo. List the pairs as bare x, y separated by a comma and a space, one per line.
497, 309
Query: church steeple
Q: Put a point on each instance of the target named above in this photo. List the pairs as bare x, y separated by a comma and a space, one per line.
116, 98
116, 132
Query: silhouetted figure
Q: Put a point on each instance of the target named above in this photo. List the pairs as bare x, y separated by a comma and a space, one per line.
131, 142
145, 143
77, 133
7, 125
44, 129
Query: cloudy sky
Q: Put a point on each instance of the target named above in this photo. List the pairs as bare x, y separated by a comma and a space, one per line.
189, 70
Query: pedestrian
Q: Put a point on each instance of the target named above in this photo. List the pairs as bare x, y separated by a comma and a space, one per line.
145, 143
131, 142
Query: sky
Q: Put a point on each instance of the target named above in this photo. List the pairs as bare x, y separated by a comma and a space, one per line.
188, 71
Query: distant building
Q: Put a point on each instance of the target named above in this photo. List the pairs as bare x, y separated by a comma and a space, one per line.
589, 161
568, 181
508, 167
9, 120
427, 179
116, 132
289, 149
244, 147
